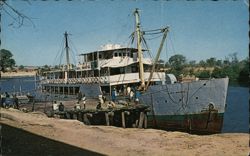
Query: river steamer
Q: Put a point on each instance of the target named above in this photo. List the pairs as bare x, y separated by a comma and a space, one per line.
196, 107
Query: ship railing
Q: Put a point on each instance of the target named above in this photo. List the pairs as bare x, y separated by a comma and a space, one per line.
88, 80
52, 81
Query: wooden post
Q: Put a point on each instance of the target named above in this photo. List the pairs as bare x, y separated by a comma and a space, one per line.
145, 120
136, 123
75, 115
67, 115
33, 104
79, 116
107, 118
141, 120
123, 120
111, 115
85, 119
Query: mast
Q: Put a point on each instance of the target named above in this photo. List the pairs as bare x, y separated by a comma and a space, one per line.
164, 30
138, 33
67, 50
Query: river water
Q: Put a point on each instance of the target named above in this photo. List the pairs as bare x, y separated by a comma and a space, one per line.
236, 117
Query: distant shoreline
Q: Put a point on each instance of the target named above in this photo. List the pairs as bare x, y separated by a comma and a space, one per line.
18, 74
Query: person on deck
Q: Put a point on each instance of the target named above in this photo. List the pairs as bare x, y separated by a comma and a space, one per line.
79, 96
137, 95
111, 105
84, 100
128, 90
113, 95
7, 95
61, 107
99, 106
77, 106
131, 95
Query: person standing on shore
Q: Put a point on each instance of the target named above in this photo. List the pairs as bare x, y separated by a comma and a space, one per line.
16, 102
1, 102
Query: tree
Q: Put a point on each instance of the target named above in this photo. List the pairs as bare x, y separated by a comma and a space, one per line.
211, 62
177, 60
244, 73
6, 60
21, 67
226, 62
218, 73
202, 63
205, 74
234, 58
219, 63
177, 63
192, 63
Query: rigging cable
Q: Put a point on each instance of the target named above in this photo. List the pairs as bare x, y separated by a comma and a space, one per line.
74, 51
59, 52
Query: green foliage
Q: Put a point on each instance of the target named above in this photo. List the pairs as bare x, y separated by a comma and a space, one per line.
202, 63
177, 63
6, 60
192, 63
21, 67
237, 71
203, 74
219, 63
211, 62
218, 73
244, 73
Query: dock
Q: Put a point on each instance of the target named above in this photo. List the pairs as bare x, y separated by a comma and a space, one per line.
127, 117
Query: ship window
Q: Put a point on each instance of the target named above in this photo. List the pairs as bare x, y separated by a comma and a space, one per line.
100, 56
115, 54
197, 97
120, 54
124, 54
122, 70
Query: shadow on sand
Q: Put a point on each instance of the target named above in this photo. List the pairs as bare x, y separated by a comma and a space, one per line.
19, 142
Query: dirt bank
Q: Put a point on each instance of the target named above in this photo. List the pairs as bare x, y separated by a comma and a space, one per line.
71, 137
18, 74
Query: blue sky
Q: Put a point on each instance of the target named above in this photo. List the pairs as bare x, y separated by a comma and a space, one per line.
198, 29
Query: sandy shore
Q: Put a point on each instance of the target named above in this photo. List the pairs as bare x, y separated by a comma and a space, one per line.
18, 74
77, 138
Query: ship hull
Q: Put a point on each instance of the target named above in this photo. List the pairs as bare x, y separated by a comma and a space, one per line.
192, 123
195, 107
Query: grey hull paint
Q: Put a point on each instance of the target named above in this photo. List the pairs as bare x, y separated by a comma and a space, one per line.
186, 98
